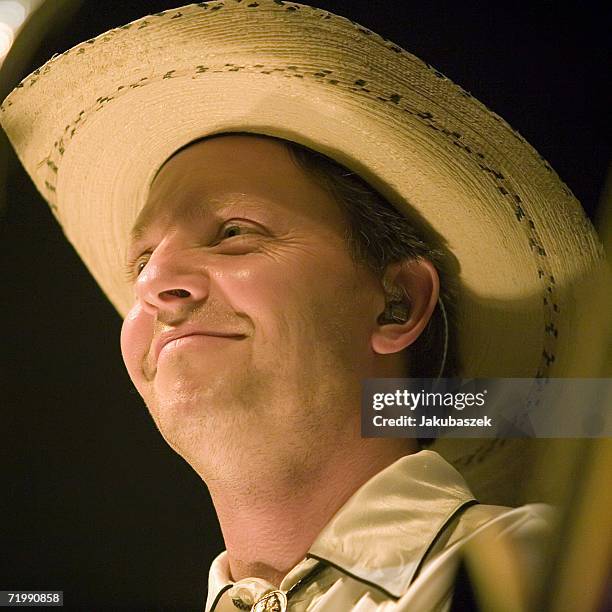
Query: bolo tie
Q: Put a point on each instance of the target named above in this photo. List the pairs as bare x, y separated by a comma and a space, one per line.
276, 601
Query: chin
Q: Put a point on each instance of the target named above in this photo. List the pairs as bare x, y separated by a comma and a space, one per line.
184, 379
200, 394
199, 426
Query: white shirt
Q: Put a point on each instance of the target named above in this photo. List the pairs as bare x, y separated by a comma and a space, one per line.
393, 547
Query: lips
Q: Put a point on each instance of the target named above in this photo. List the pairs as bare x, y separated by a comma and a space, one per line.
169, 336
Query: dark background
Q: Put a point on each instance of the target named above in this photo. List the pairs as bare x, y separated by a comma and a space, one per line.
93, 502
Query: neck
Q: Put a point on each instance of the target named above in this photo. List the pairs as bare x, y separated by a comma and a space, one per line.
271, 518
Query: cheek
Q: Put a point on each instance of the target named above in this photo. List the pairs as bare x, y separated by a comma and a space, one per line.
286, 295
136, 335
268, 290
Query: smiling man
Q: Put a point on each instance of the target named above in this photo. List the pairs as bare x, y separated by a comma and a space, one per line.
296, 209
251, 332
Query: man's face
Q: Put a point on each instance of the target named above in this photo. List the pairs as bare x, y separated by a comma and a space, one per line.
251, 324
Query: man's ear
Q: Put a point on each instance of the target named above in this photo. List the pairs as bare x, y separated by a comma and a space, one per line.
412, 287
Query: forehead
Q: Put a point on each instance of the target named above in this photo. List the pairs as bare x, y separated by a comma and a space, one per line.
236, 171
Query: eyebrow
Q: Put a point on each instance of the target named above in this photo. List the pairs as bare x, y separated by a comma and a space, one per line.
138, 231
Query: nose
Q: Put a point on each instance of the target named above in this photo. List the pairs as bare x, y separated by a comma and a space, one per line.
174, 279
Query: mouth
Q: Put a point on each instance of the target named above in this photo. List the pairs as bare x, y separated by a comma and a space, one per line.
178, 339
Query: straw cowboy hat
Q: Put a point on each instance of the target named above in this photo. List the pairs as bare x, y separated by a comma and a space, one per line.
94, 124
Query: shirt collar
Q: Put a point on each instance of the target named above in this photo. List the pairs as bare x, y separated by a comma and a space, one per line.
384, 530
382, 533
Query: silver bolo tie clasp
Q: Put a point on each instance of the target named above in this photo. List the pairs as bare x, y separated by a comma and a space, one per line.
276, 601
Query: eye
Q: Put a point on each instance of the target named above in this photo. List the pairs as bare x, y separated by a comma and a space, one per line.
232, 230
236, 228
135, 266
140, 267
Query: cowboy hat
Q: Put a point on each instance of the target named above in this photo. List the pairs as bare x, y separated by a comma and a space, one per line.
94, 124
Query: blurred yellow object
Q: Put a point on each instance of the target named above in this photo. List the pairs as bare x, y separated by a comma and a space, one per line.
495, 574
577, 472
581, 564
572, 475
